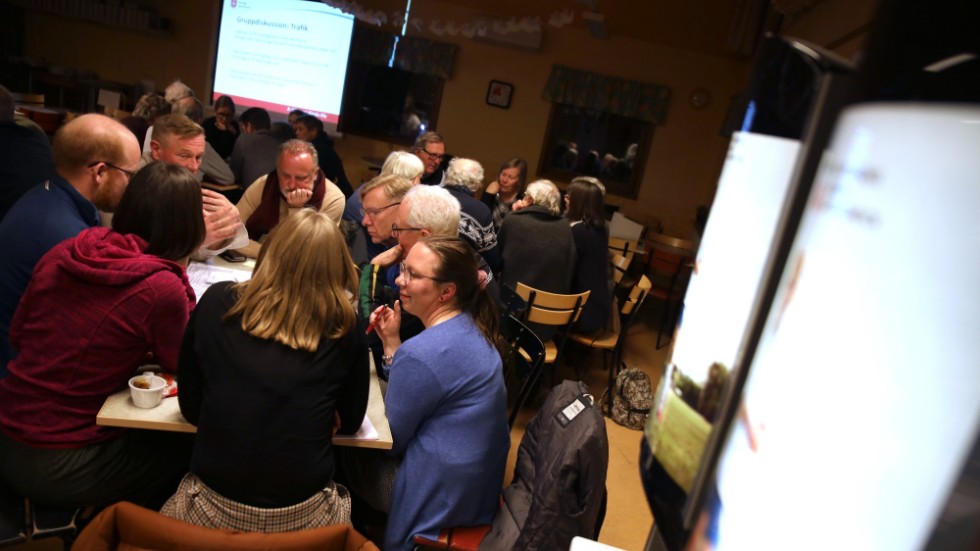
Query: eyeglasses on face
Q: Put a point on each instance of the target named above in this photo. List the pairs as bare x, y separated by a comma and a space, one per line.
128, 173
395, 229
374, 212
436, 156
408, 275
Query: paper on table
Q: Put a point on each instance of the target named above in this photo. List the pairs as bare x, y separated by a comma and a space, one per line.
366, 432
203, 276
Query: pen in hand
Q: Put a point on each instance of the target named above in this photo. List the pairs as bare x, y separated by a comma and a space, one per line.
371, 325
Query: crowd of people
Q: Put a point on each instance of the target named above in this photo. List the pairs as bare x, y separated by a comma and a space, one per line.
98, 226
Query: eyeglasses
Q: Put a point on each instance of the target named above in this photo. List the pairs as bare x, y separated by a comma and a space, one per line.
436, 156
395, 229
409, 276
374, 212
128, 173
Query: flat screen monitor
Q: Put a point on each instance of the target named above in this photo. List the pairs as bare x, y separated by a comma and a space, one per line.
283, 55
862, 402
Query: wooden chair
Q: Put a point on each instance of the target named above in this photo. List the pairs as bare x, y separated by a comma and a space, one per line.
34, 100
125, 525
22, 520
611, 342
619, 266
669, 266
552, 309
522, 362
627, 248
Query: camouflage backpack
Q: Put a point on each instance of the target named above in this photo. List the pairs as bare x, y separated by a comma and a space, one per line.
632, 398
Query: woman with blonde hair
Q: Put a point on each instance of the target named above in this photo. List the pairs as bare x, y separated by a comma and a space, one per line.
269, 370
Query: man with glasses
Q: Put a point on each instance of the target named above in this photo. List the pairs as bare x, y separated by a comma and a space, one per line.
431, 149
94, 157
379, 203
296, 183
222, 130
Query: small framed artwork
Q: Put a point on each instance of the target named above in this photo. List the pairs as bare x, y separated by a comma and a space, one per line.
499, 94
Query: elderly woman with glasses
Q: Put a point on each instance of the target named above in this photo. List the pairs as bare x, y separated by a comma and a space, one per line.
446, 400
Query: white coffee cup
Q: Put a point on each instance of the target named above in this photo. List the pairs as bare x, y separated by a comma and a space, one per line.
150, 396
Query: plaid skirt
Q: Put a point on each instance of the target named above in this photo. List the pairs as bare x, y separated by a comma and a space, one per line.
196, 503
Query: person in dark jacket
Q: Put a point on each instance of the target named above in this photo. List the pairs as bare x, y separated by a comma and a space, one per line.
464, 177
559, 479
537, 245
584, 210
310, 128
222, 130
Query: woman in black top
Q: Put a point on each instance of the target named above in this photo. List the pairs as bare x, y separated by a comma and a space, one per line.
584, 209
268, 371
222, 130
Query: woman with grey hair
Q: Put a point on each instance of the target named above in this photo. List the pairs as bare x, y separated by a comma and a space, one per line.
537, 245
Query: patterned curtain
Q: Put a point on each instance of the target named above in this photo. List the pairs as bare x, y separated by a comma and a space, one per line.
415, 55
627, 98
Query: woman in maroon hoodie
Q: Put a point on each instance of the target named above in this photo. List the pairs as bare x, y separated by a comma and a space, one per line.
97, 306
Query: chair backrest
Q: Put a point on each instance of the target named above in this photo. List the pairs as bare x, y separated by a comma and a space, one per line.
129, 526
620, 265
557, 310
670, 258
522, 363
551, 308
20, 98
627, 248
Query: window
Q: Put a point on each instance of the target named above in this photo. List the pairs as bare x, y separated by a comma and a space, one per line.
585, 142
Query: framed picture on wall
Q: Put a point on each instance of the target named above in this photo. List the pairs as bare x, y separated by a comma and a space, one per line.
499, 94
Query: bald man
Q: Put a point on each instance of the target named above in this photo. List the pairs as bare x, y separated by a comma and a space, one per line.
94, 158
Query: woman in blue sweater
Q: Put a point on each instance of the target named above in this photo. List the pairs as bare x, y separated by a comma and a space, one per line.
446, 401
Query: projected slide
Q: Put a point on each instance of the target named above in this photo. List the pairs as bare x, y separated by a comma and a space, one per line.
283, 55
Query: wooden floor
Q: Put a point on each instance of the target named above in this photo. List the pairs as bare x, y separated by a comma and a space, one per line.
628, 518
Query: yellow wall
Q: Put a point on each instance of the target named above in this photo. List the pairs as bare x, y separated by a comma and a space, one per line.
685, 156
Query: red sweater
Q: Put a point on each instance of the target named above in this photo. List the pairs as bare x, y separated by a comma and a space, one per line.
96, 305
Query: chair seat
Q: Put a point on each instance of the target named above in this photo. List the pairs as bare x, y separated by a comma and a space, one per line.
460, 538
550, 352
605, 340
